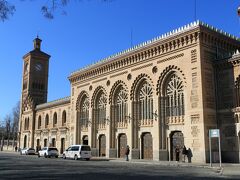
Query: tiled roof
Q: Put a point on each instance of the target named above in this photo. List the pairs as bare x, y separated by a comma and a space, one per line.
54, 103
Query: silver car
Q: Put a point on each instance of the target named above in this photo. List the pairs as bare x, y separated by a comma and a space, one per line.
27, 151
48, 152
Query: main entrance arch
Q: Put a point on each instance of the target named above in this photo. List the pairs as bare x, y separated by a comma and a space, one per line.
122, 144
102, 145
176, 140
147, 147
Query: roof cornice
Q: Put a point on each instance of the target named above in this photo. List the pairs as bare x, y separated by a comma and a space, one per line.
194, 26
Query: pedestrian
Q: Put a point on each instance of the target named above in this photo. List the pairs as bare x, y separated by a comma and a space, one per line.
177, 152
189, 155
16, 148
184, 153
127, 151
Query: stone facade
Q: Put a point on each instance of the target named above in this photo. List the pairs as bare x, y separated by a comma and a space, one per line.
161, 94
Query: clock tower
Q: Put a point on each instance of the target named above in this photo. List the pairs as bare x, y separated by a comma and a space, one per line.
35, 74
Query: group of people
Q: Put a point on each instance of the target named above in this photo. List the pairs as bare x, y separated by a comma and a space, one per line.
185, 153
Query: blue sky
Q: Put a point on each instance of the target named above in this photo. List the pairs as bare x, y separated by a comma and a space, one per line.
93, 30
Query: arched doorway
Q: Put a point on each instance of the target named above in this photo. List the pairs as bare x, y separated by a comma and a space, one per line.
102, 145
85, 140
62, 145
147, 149
38, 145
45, 142
53, 142
176, 139
25, 141
122, 144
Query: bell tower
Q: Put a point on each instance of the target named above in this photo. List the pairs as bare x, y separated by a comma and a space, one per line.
35, 74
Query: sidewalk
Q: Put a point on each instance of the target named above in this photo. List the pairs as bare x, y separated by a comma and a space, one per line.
165, 163
227, 169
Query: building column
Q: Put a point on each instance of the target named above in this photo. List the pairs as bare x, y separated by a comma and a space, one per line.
92, 133
164, 142
156, 132
112, 134
134, 134
108, 129
130, 127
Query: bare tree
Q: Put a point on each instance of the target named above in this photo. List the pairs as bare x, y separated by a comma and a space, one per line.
15, 122
48, 9
9, 127
6, 9
7, 120
2, 134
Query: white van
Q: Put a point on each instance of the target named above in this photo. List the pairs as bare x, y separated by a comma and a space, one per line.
78, 152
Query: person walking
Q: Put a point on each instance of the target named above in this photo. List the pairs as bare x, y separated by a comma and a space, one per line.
177, 152
184, 153
127, 151
189, 155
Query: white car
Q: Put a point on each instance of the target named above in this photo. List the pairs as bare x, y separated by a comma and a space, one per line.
27, 151
78, 152
48, 152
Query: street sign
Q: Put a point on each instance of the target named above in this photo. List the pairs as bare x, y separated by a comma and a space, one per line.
213, 133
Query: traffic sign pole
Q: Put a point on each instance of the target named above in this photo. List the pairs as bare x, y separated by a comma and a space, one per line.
210, 149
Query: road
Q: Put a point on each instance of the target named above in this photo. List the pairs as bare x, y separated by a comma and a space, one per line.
15, 166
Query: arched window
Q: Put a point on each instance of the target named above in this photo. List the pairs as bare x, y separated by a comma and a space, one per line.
84, 112
55, 119
174, 96
21, 126
25, 124
46, 121
237, 91
39, 122
120, 106
64, 118
145, 102
100, 110
236, 118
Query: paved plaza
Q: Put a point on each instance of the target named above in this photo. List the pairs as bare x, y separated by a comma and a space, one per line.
15, 166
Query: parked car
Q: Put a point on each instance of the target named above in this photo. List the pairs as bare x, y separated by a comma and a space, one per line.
78, 152
48, 152
27, 151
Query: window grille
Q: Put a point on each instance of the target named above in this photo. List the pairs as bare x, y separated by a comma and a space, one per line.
84, 112
120, 107
174, 97
145, 101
